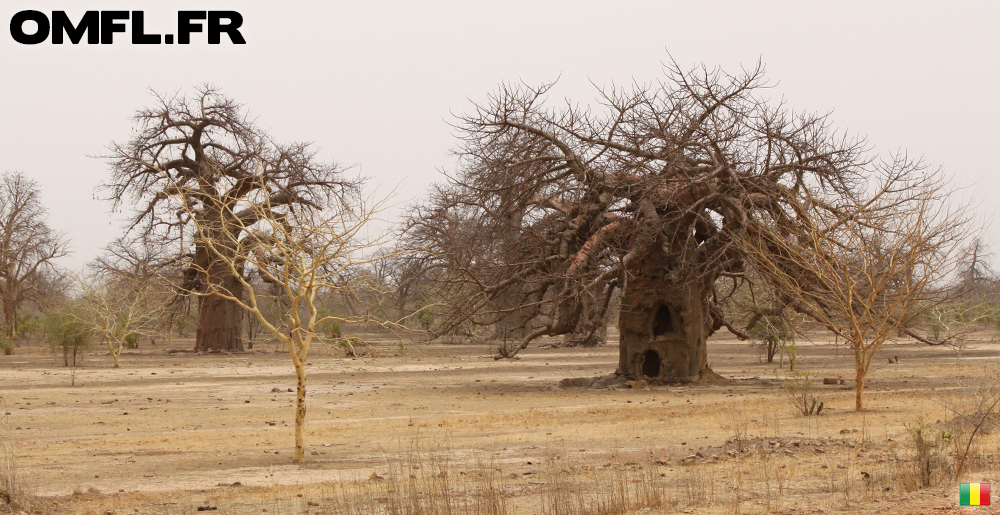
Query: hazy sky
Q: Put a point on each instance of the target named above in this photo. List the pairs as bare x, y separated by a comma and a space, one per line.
375, 84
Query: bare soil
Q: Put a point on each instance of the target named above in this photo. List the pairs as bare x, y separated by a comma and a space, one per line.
169, 433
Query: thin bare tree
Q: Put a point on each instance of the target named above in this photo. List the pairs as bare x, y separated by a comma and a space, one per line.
872, 266
28, 247
193, 160
300, 254
118, 307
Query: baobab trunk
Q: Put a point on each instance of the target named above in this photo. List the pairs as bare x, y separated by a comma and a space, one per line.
664, 324
220, 321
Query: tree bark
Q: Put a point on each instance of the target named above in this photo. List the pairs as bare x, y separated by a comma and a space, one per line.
220, 324
860, 373
664, 324
300, 411
10, 315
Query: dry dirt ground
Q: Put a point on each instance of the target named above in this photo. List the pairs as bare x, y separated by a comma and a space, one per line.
445, 428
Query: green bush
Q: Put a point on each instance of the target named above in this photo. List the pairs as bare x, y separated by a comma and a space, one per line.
426, 319
66, 332
331, 328
132, 340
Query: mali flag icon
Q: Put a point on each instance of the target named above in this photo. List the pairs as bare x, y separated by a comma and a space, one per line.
974, 494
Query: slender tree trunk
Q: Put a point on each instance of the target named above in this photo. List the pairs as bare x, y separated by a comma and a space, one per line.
859, 378
10, 315
116, 351
664, 326
300, 411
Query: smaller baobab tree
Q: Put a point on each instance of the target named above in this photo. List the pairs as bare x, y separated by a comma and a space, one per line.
300, 253
871, 267
205, 149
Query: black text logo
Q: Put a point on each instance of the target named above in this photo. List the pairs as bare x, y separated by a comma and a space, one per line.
101, 26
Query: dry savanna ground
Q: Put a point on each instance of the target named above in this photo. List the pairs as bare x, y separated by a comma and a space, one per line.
446, 429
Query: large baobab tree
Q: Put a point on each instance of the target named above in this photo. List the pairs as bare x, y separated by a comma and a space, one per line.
552, 209
28, 246
200, 161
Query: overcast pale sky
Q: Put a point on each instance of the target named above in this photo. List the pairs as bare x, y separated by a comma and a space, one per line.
375, 83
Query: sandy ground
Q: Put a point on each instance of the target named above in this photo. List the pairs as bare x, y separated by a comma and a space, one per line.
167, 433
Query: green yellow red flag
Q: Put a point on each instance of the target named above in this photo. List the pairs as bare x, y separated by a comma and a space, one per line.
974, 494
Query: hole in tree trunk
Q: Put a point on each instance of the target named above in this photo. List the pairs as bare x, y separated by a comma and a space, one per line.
662, 324
651, 363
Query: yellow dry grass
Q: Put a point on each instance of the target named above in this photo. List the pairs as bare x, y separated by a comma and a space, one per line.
445, 429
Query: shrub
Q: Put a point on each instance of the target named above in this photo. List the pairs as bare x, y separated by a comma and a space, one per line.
67, 333
801, 392
775, 334
426, 319
331, 328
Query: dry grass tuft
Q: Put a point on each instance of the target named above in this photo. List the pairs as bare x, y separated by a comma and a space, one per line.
421, 482
12, 484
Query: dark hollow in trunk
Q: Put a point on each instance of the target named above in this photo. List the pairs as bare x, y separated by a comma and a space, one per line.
650, 363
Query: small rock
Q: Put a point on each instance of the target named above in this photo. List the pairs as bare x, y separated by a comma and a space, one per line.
577, 381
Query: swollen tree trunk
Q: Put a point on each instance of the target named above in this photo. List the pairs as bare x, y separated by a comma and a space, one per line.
220, 321
664, 325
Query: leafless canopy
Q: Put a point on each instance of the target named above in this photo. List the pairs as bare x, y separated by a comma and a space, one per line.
27, 245
201, 157
552, 208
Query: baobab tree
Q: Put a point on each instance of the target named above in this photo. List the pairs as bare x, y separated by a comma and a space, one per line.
28, 246
194, 162
552, 209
